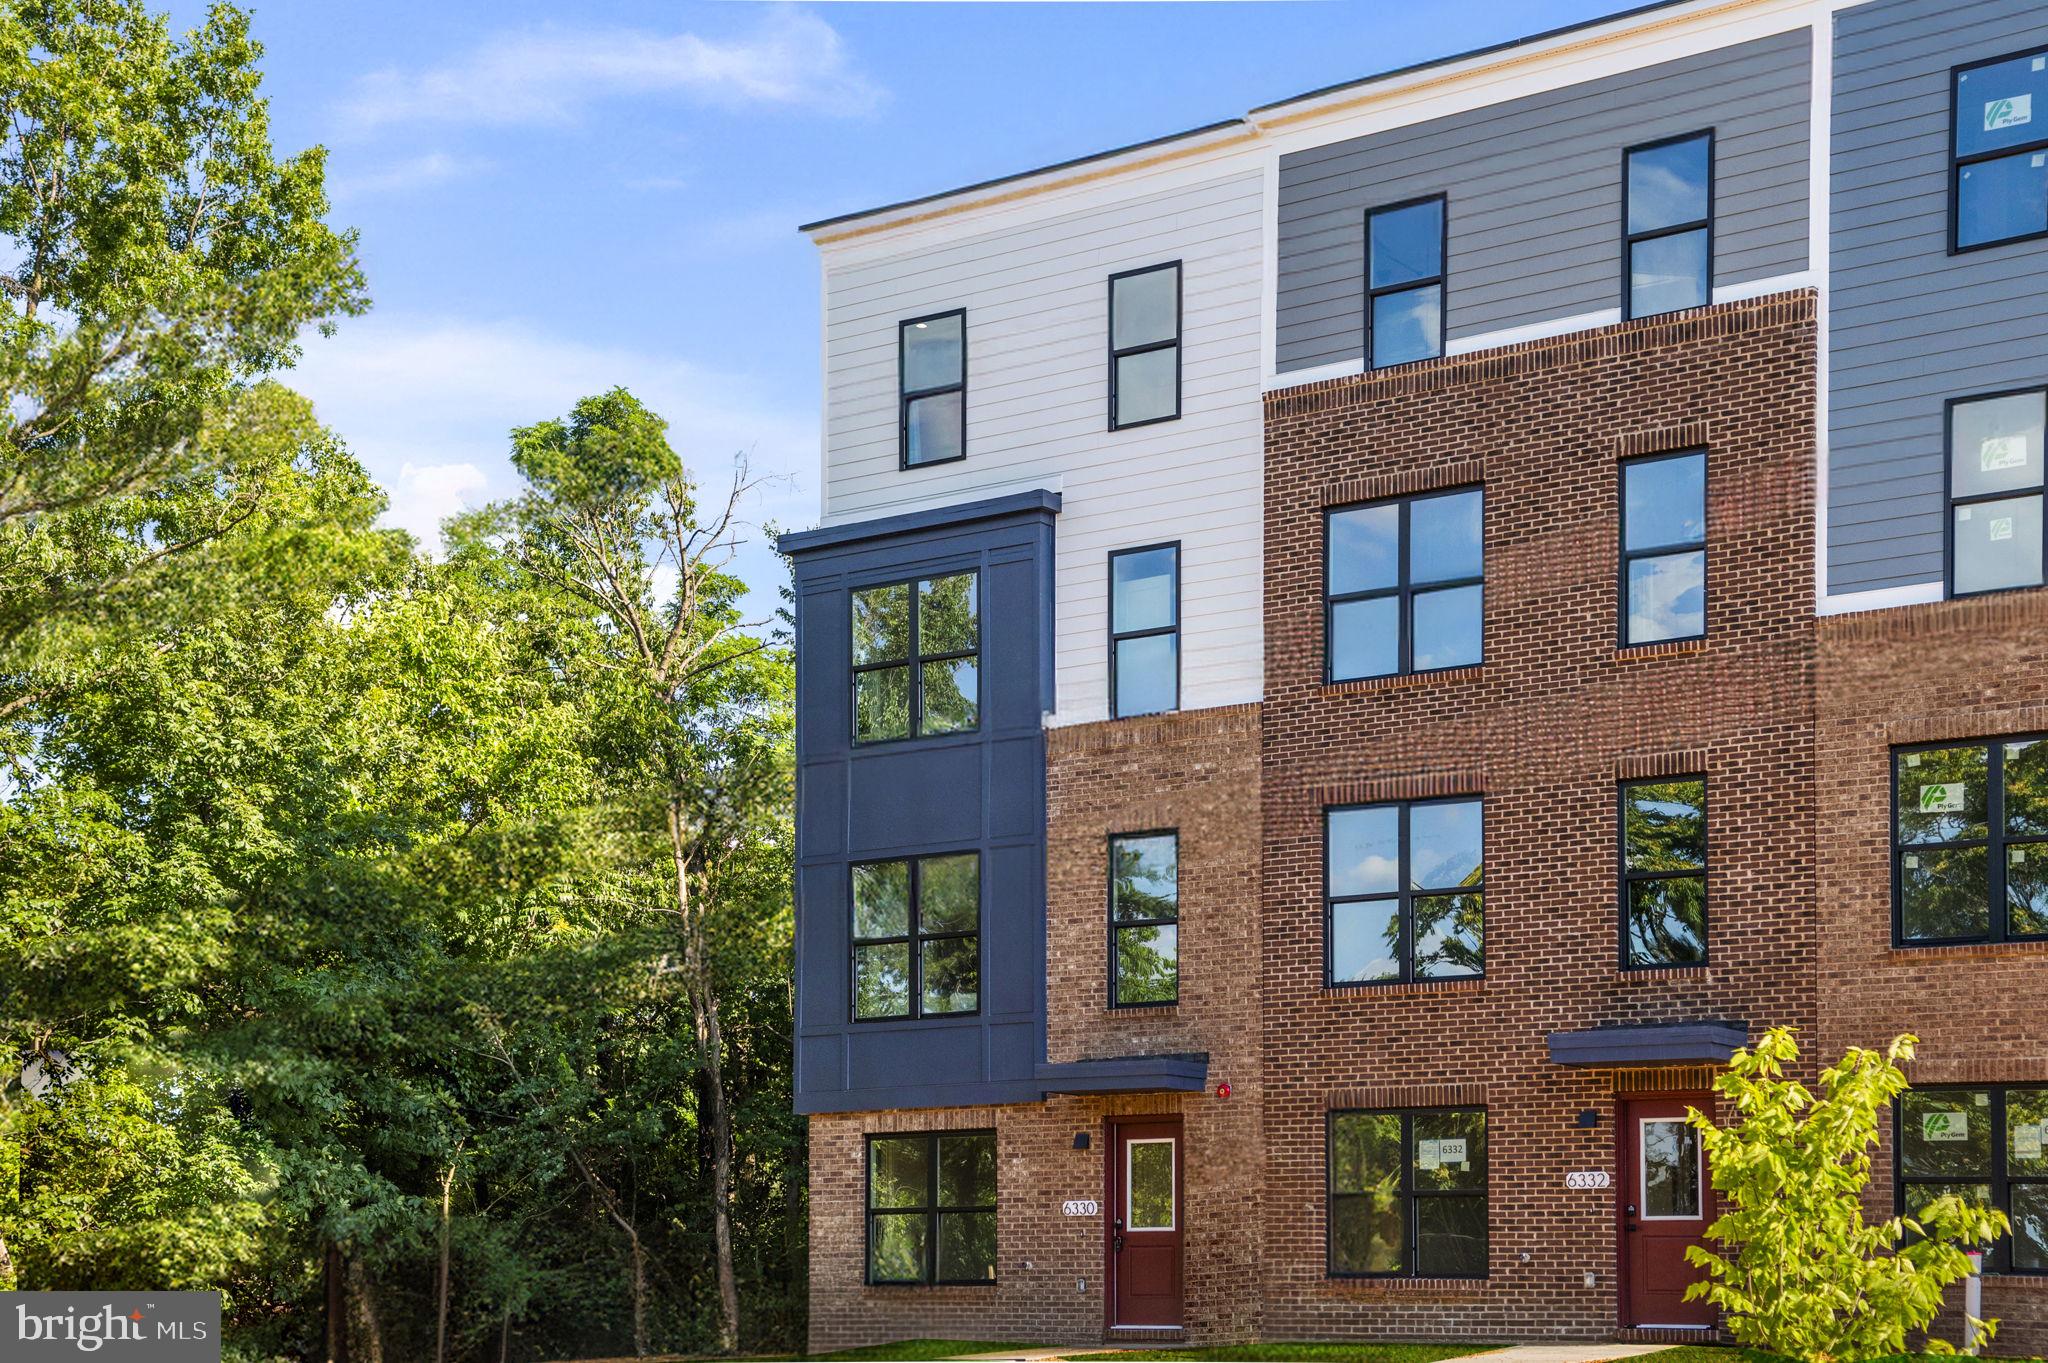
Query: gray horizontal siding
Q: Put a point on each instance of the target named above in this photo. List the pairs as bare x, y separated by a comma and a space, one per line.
1535, 194
1911, 326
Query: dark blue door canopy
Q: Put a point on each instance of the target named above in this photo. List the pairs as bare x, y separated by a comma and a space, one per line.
1658, 1043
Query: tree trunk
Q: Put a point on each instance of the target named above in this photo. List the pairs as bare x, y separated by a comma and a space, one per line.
337, 1309
711, 1046
365, 1294
639, 1297
6, 1267
505, 1337
441, 1279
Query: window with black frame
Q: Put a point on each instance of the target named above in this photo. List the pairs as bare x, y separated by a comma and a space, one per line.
1144, 346
1404, 585
917, 937
1404, 272
931, 367
916, 658
1144, 630
1970, 841
932, 1208
1664, 548
1668, 232
1405, 891
1407, 1193
2000, 149
1995, 466
1664, 872
1987, 1146
1144, 919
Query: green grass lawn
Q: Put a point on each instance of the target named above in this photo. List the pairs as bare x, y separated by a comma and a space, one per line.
909, 1349
1299, 1353
1706, 1353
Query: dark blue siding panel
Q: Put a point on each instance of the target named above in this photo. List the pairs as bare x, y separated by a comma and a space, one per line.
1911, 326
983, 791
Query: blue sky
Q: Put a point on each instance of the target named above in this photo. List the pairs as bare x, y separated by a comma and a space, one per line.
557, 198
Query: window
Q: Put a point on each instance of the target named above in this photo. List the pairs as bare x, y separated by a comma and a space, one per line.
1994, 490
931, 366
1668, 238
917, 937
1664, 548
1402, 585
1144, 346
1970, 850
916, 672
1664, 872
1144, 630
932, 1208
1404, 268
2000, 151
1408, 1194
1988, 1146
1404, 893
1144, 919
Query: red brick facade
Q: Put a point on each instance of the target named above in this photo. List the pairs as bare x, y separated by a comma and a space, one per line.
1789, 719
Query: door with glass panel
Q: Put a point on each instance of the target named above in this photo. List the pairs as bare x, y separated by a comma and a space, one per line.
1144, 1223
1667, 1202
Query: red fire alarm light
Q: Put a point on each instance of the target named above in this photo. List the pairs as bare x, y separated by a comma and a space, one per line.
1223, 1089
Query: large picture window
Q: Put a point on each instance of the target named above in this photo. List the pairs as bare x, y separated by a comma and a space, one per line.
1995, 490
1407, 1194
932, 1208
1144, 346
1664, 872
1144, 630
1404, 267
1988, 1146
1404, 585
2000, 117
931, 367
916, 658
1664, 548
1970, 841
917, 937
1668, 236
1144, 919
1404, 891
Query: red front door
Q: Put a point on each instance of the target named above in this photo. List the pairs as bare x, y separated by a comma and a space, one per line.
1144, 1222
1667, 1203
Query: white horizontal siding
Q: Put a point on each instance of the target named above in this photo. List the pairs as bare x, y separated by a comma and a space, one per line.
1036, 295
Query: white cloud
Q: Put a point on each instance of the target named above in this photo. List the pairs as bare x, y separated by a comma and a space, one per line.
548, 74
416, 172
428, 405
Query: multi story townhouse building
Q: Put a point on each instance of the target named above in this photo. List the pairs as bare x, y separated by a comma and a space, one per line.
1354, 654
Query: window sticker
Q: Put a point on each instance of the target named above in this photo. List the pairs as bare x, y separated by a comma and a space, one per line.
1912, 759
2001, 527
1963, 513
1429, 1155
1945, 1126
1912, 862
2008, 113
1943, 797
2001, 452
1452, 1151
2026, 1140
2016, 856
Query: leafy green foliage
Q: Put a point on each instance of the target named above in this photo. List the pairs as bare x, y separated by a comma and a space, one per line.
1802, 1274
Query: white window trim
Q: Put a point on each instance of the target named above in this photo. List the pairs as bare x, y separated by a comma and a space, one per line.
1172, 1143
1643, 1172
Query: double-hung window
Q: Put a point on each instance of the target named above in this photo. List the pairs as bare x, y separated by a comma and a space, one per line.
931, 366
917, 937
1668, 237
1144, 346
916, 658
1144, 630
1664, 872
1970, 841
1404, 273
1664, 548
1403, 585
1144, 919
2000, 113
1994, 490
1407, 1193
1988, 1146
1404, 891
932, 1207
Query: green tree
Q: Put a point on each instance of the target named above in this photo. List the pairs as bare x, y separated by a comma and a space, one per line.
1801, 1273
